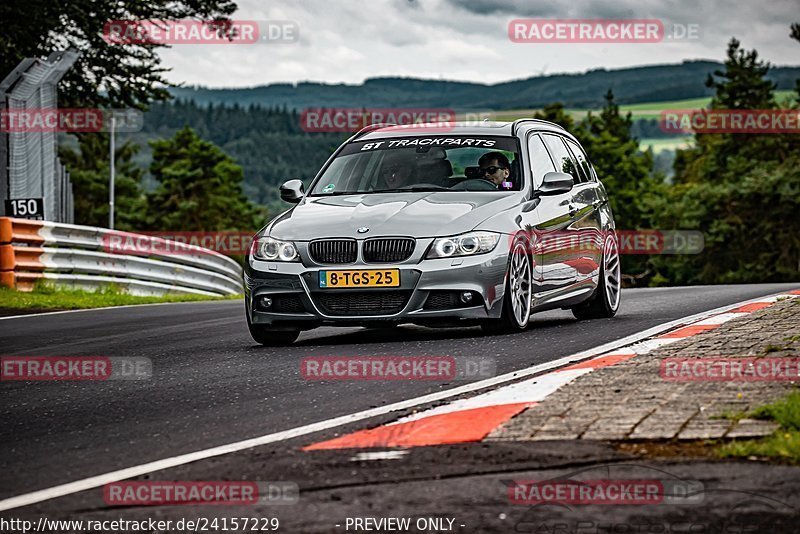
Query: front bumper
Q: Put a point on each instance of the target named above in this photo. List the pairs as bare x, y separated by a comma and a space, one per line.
424, 295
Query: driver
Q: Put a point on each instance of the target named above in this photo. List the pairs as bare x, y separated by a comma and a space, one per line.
494, 167
396, 172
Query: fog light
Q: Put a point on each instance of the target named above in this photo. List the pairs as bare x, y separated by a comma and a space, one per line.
265, 303
466, 297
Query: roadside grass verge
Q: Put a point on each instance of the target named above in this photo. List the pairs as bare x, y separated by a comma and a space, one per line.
784, 444
642, 110
50, 298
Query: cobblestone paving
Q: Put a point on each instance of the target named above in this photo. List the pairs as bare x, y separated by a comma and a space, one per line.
630, 400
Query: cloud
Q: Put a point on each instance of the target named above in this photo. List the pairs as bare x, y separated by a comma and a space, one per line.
351, 40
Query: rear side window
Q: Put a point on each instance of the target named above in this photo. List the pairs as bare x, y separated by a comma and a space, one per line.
562, 157
583, 162
541, 163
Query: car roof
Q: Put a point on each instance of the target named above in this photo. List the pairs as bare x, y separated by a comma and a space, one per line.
508, 129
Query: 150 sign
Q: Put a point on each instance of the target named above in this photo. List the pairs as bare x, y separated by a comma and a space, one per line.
25, 208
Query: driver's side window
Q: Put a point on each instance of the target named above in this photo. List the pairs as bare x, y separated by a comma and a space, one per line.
541, 163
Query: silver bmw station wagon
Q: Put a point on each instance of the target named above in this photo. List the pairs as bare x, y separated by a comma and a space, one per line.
457, 226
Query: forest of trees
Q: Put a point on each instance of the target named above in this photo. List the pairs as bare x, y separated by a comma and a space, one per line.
652, 83
268, 143
742, 191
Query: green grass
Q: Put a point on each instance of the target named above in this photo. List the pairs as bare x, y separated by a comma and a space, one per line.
781, 445
785, 412
644, 110
784, 444
50, 298
690, 103
667, 143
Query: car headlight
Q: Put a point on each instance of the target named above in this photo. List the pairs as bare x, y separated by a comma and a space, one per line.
468, 244
268, 249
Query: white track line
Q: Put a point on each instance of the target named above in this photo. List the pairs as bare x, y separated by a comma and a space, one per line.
527, 391
110, 308
721, 318
536, 389
97, 481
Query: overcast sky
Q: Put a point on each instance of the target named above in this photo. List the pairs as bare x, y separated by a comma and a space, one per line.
351, 40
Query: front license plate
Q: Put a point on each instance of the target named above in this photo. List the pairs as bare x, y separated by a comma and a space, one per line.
376, 278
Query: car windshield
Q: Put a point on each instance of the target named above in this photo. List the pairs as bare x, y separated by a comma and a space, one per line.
435, 163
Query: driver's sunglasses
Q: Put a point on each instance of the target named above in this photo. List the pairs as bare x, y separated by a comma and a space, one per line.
489, 170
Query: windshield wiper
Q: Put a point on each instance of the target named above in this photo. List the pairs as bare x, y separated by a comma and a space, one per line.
410, 189
337, 193
413, 188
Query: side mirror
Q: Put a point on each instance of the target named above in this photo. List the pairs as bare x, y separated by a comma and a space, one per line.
555, 183
292, 191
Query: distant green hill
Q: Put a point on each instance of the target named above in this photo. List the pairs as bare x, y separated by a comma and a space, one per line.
260, 126
631, 85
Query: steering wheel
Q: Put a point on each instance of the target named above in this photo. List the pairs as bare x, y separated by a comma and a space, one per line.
474, 184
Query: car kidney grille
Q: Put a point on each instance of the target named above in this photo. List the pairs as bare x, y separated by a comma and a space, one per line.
362, 303
388, 250
333, 251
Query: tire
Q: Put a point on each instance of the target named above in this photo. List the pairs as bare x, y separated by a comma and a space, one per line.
270, 337
518, 294
604, 302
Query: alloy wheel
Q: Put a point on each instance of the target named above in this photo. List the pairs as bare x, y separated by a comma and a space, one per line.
520, 285
611, 269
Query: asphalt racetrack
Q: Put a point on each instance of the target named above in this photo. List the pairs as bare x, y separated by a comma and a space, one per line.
213, 385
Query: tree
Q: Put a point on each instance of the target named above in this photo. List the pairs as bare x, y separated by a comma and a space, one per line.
750, 226
264, 141
556, 113
742, 191
89, 172
129, 75
741, 85
199, 188
626, 172
796, 36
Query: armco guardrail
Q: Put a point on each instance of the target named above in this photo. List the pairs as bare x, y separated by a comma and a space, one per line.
81, 256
